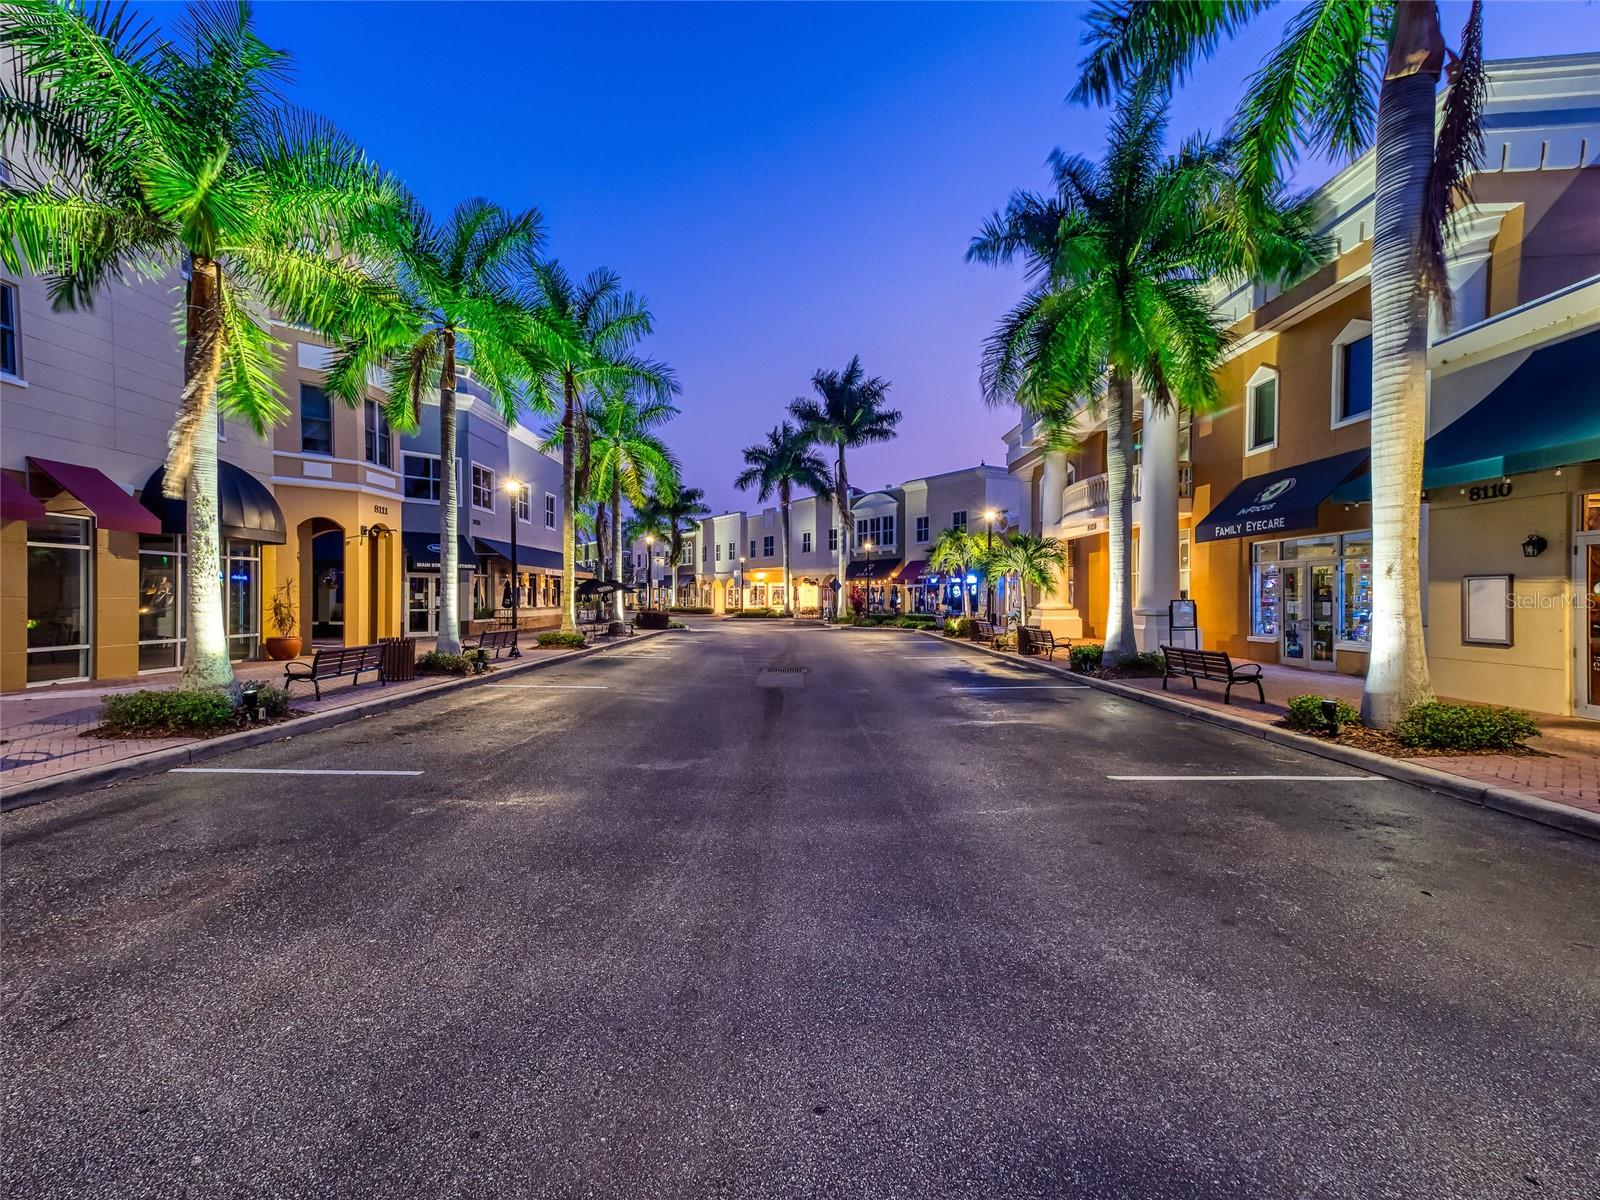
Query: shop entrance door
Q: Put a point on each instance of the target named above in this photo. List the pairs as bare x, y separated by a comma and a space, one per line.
1586, 581
1308, 620
422, 605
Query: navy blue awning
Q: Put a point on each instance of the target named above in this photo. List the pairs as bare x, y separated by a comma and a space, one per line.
1279, 501
1545, 414
246, 508
422, 550
871, 568
528, 557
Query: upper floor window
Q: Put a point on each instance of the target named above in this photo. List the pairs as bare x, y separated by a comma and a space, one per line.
705, 550
805, 542
733, 551
958, 520
482, 488
922, 529
752, 547
380, 439
719, 551
10, 357
833, 540
316, 421
1352, 373
766, 546
549, 511
421, 476
1261, 411
524, 505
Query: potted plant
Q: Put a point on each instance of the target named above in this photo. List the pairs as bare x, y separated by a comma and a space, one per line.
281, 615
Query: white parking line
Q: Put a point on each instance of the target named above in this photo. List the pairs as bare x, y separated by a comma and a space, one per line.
275, 771
560, 687
1241, 778
1026, 687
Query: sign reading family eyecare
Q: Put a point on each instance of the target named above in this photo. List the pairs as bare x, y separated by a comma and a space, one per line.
1279, 501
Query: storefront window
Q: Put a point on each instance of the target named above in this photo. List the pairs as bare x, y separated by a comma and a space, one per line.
1184, 552
59, 612
1591, 512
1356, 600
1311, 547
1265, 589
160, 603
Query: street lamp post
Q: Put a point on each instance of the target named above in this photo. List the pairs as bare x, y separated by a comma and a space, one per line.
649, 570
989, 518
514, 491
741, 583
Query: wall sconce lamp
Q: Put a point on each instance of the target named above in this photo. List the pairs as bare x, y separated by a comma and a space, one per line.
1534, 546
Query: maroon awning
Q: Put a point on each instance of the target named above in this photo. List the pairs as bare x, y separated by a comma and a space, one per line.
911, 574
112, 507
16, 504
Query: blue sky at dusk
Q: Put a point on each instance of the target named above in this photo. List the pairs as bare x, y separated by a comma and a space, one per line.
787, 184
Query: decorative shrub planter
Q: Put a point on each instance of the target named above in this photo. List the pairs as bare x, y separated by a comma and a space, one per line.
651, 619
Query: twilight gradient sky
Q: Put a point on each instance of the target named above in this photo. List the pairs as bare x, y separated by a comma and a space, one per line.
787, 184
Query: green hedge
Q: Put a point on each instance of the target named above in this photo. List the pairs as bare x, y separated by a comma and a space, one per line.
701, 609
1465, 727
1305, 712
958, 627
757, 613
438, 662
1085, 657
555, 637
167, 714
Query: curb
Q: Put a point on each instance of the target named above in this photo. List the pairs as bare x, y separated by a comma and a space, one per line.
1505, 800
26, 795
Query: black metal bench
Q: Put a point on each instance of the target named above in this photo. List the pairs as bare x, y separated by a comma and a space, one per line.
1033, 640
1212, 665
984, 631
497, 641
332, 662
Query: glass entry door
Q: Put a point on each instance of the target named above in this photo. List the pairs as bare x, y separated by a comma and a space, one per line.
1307, 615
422, 604
1589, 635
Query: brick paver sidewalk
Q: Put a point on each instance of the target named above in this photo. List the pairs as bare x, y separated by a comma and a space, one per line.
43, 730
1564, 768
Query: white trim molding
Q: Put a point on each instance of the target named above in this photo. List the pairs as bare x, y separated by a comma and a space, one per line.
1262, 374
1353, 332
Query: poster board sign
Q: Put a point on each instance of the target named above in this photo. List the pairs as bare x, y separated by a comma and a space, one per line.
1181, 616
1486, 610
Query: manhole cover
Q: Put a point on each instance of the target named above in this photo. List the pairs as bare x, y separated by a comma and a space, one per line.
781, 677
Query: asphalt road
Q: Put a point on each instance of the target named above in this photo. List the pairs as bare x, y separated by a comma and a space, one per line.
794, 912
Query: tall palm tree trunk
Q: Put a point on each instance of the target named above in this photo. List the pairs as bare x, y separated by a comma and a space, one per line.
1119, 486
449, 639
783, 503
842, 606
616, 547
194, 452
569, 507
1397, 672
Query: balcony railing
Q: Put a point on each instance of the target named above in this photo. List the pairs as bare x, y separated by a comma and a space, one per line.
1089, 494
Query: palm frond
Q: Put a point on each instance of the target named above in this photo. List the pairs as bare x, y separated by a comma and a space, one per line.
1162, 41
1458, 152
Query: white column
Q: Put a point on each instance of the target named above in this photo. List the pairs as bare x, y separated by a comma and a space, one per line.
1051, 485
1157, 516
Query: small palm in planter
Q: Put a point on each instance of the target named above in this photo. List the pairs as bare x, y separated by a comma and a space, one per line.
281, 615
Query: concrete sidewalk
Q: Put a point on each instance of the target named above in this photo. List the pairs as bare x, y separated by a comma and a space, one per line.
44, 736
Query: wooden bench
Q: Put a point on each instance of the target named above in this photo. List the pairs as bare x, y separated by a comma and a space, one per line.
333, 662
1033, 640
1213, 665
984, 631
497, 641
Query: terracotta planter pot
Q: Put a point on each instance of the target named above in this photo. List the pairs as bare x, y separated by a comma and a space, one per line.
281, 649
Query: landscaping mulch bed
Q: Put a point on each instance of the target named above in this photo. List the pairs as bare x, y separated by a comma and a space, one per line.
1379, 741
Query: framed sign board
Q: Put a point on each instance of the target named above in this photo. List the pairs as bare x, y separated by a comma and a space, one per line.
1486, 610
1181, 615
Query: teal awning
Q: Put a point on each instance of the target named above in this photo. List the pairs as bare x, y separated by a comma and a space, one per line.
1545, 414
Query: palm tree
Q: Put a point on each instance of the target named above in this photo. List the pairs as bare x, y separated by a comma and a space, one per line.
955, 552
848, 411
649, 521
602, 324
465, 284
628, 460
1035, 561
680, 511
784, 460
145, 154
1118, 256
1317, 88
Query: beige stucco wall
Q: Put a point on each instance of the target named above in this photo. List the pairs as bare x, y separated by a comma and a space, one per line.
1485, 538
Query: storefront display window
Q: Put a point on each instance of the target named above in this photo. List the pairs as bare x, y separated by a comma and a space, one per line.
1356, 590
59, 612
241, 565
160, 603
1265, 590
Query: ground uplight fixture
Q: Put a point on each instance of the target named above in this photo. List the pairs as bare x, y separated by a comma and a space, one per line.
1534, 546
1330, 715
250, 696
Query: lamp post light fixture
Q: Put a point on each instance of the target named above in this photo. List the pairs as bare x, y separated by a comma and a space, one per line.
649, 570
990, 516
514, 489
741, 583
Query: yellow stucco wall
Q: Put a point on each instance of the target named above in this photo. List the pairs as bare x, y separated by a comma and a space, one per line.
13, 605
